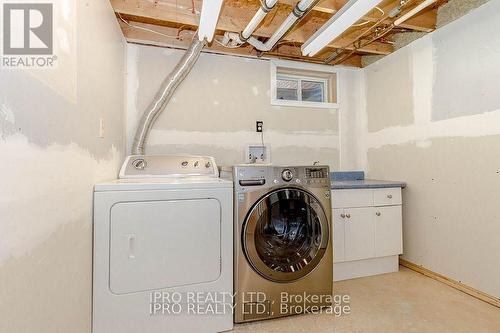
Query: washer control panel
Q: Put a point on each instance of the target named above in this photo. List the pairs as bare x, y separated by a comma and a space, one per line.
315, 173
249, 177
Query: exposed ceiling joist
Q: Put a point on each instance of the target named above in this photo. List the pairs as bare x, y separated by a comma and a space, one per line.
233, 18
424, 21
175, 16
284, 51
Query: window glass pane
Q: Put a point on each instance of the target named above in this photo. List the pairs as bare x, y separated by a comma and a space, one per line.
313, 91
287, 89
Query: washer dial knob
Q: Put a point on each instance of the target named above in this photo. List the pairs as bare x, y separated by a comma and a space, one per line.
287, 175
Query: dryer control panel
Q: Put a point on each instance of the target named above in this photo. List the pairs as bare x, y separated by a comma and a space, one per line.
158, 166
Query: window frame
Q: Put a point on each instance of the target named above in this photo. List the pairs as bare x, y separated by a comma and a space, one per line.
323, 69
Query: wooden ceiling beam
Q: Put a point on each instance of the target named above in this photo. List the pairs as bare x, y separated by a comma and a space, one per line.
424, 21
234, 17
284, 51
176, 15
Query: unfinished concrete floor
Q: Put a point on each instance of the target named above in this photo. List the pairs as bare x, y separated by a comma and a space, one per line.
398, 302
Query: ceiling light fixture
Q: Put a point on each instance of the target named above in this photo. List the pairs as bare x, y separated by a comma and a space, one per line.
414, 11
349, 14
210, 11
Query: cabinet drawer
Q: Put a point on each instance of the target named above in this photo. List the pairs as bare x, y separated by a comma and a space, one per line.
387, 196
352, 198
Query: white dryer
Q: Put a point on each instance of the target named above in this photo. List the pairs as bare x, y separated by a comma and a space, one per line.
163, 248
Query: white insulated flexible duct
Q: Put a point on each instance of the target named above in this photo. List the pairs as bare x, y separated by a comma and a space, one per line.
297, 13
162, 97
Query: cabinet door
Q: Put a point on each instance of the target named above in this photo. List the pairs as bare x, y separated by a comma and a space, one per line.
388, 231
338, 235
359, 231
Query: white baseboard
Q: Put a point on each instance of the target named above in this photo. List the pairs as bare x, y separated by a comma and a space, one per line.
368, 267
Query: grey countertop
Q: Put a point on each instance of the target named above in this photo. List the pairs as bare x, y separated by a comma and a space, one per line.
365, 183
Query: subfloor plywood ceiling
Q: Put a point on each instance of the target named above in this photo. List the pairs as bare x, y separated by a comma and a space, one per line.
172, 23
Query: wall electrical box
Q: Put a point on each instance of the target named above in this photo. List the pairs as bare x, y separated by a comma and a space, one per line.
258, 154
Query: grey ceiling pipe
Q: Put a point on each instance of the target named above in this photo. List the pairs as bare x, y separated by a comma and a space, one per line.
162, 97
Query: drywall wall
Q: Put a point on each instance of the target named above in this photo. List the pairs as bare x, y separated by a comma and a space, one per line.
448, 153
52, 156
352, 119
398, 103
472, 74
214, 110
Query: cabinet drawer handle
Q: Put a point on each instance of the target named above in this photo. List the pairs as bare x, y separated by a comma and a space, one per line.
389, 196
342, 215
378, 213
348, 216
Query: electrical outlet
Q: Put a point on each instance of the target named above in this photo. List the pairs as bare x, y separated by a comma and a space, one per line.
259, 125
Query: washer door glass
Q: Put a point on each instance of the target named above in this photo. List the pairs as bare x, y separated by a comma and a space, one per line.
285, 235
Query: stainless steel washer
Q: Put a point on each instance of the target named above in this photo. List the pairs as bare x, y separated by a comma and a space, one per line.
283, 241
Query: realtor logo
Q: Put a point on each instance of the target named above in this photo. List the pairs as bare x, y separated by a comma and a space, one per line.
28, 35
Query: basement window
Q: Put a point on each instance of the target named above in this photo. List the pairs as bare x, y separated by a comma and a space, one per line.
303, 85
300, 88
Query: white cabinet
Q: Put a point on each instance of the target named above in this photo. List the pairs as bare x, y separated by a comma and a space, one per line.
367, 231
338, 235
359, 231
386, 196
388, 231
